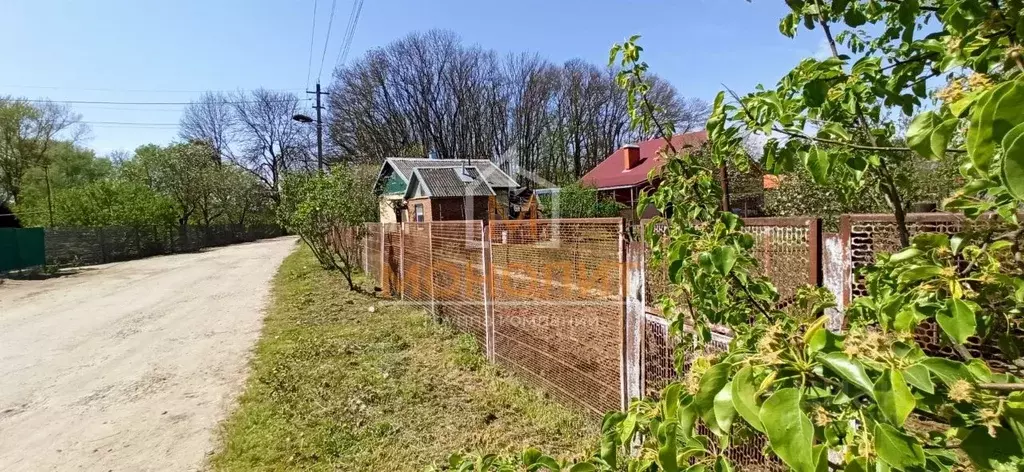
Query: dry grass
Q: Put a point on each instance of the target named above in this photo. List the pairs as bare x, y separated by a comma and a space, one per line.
335, 386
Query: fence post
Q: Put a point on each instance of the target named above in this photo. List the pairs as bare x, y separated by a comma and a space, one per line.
488, 276
624, 343
635, 312
814, 246
381, 273
401, 261
103, 246
845, 230
366, 249
430, 268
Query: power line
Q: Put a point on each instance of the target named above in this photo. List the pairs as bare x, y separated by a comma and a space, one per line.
312, 35
350, 31
90, 102
88, 89
127, 123
330, 24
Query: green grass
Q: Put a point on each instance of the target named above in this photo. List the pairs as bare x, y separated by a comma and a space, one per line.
334, 386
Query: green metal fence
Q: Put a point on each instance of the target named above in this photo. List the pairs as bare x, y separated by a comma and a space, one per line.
21, 248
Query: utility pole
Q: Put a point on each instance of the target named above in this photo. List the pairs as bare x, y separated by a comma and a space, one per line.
319, 127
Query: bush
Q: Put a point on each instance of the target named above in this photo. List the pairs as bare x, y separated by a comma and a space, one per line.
579, 201
320, 206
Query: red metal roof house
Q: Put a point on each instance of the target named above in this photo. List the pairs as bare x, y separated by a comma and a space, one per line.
623, 174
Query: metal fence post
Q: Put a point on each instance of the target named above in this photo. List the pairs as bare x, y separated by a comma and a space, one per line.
845, 228
103, 246
624, 343
488, 276
635, 313
401, 261
430, 267
814, 246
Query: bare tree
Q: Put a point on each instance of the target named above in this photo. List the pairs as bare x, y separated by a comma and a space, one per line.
210, 120
428, 93
269, 141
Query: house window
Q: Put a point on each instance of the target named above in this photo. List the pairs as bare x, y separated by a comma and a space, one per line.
418, 213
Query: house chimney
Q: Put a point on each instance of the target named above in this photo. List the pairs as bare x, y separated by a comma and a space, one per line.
632, 153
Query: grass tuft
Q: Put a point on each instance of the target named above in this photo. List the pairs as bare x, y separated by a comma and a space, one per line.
334, 386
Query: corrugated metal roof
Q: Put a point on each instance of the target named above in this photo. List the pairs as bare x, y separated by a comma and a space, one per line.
495, 177
441, 182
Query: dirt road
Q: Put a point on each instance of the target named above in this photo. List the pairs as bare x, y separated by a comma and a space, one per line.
129, 366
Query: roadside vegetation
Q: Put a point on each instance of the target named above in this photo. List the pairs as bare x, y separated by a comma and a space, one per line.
343, 381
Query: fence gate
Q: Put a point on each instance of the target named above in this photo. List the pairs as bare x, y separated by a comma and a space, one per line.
21, 248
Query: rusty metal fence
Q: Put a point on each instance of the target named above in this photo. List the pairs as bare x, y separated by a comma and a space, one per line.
458, 271
788, 251
571, 306
374, 242
391, 259
417, 278
869, 235
558, 305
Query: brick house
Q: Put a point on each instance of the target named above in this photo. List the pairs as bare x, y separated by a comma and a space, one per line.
417, 189
623, 175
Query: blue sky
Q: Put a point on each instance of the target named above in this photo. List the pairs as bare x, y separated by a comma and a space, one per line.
169, 51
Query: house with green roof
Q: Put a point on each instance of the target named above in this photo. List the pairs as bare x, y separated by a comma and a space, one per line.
417, 189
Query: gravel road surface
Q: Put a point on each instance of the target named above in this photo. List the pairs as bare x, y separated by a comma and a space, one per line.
129, 366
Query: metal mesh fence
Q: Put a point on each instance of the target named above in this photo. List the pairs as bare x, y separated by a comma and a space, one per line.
391, 267
416, 273
747, 446
558, 306
659, 368
373, 255
874, 234
458, 276
788, 251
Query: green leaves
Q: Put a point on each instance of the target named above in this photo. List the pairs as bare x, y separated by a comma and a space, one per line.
1012, 166
724, 409
849, 369
817, 163
723, 258
995, 114
744, 397
957, 320
987, 452
900, 451
895, 400
789, 431
928, 135
711, 383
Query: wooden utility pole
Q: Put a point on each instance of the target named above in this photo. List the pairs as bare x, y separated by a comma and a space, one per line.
319, 127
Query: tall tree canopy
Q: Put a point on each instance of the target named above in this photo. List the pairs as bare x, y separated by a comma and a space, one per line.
428, 92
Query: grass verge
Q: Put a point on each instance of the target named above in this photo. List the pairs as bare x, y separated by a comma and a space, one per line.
336, 386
